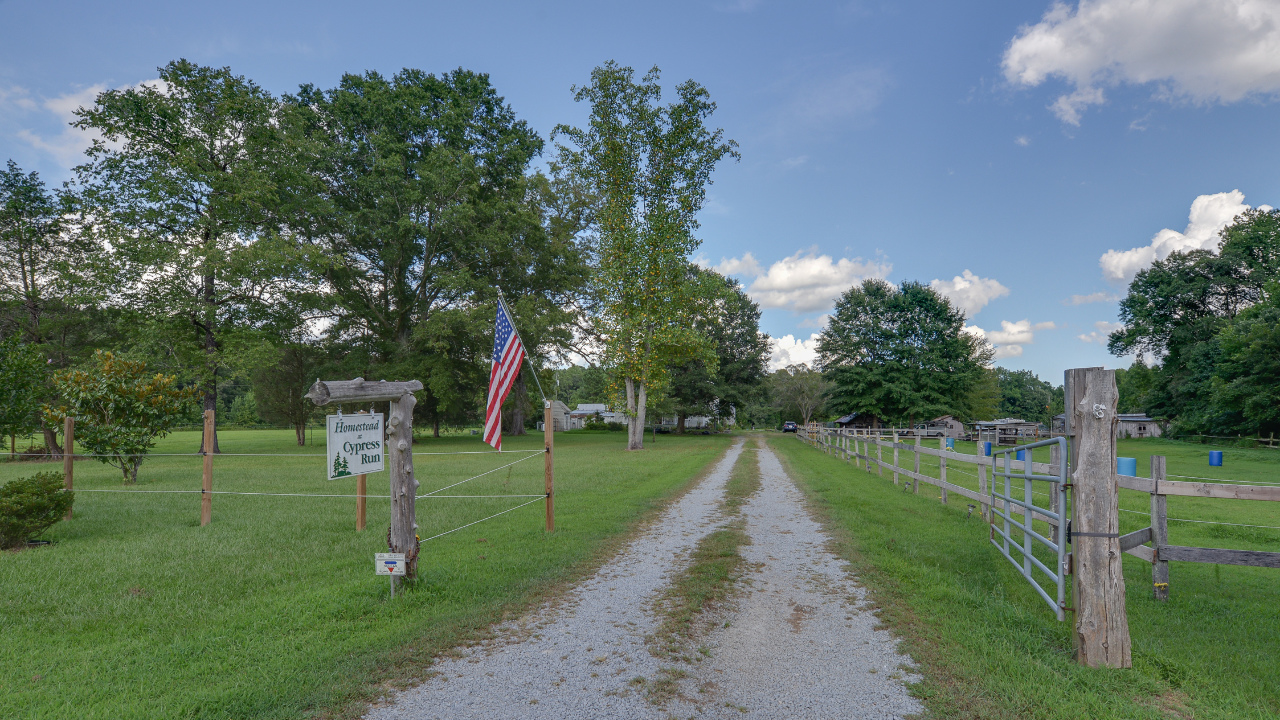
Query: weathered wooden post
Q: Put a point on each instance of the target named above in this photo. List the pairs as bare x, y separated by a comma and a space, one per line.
549, 435
879, 458
942, 466
68, 454
206, 482
895, 457
402, 535
1159, 531
915, 481
1102, 627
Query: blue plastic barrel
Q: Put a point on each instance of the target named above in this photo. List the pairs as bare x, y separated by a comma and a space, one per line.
1127, 466
951, 443
986, 448
1215, 458
1021, 454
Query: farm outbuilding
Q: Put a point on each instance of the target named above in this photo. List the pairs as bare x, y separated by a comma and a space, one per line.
1136, 425
1007, 431
856, 420
945, 426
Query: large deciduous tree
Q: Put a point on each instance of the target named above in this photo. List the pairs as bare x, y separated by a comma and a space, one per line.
649, 166
900, 353
181, 186
801, 390
737, 378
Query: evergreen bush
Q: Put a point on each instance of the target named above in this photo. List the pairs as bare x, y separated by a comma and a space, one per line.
29, 506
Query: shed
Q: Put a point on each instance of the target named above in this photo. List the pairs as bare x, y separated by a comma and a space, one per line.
945, 426
1007, 431
855, 420
1136, 425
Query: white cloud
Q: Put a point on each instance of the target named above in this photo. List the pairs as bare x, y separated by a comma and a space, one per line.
803, 282
819, 322
68, 146
1198, 50
1011, 336
787, 350
1209, 214
1103, 331
1091, 298
1022, 140
969, 292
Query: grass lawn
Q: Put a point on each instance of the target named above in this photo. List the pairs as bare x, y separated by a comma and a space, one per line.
989, 646
274, 611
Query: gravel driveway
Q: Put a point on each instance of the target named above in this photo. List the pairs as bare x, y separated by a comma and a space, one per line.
795, 646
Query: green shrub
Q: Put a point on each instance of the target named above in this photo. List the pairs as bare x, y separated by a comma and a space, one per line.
29, 506
610, 426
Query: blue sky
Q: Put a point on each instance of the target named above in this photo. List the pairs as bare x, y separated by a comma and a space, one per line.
1001, 149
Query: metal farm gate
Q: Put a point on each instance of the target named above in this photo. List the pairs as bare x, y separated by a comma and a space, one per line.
1024, 537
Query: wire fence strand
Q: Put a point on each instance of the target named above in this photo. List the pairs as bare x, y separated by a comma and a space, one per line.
487, 472
517, 507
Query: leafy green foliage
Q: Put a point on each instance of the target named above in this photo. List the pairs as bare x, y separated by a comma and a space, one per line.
900, 353
1184, 307
22, 386
738, 376
29, 506
1024, 395
799, 392
648, 165
120, 409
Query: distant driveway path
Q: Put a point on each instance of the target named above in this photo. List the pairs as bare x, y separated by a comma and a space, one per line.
796, 645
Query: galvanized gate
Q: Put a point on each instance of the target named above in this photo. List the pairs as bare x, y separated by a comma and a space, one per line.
1023, 536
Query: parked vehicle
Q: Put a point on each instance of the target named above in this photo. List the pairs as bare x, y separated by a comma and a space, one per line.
789, 426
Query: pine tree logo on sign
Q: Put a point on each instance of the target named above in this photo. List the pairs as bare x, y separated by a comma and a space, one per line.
355, 445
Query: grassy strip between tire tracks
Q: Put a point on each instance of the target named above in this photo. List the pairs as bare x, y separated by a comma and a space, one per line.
273, 611
707, 583
988, 646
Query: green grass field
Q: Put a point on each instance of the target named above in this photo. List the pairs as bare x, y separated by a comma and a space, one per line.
274, 611
990, 646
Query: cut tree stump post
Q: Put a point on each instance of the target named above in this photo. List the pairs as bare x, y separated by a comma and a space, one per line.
206, 483
402, 536
1102, 627
549, 434
1159, 531
68, 454
362, 489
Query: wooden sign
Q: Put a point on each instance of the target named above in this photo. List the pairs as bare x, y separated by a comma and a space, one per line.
354, 445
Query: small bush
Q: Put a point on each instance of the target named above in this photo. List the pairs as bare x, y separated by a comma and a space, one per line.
29, 506
610, 426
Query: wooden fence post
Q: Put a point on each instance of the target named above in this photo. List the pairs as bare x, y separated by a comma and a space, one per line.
361, 491
879, 458
68, 454
1102, 627
915, 482
982, 482
1159, 531
895, 457
549, 436
942, 466
206, 484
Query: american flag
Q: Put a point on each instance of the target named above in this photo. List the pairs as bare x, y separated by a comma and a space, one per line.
508, 353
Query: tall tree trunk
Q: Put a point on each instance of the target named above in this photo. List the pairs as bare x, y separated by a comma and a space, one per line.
300, 429
635, 418
435, 427
210, 349
680, 422
519, 398
51, 441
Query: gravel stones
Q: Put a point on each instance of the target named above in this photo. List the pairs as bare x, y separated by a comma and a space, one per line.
797, 644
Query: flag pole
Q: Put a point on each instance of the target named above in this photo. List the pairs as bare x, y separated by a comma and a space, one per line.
548, 425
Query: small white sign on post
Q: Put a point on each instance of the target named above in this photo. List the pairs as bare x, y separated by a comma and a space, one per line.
355, 445
389, 563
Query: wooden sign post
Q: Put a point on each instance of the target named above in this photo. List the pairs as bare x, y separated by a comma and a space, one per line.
402, 537
1102, 626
